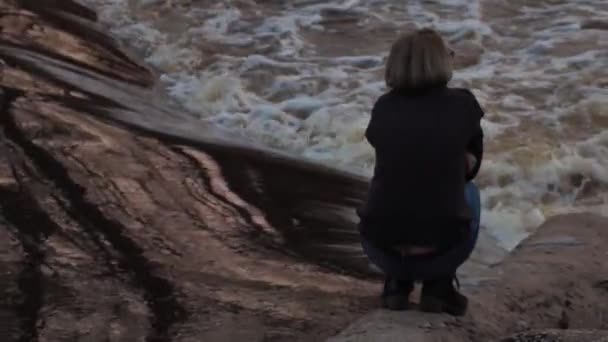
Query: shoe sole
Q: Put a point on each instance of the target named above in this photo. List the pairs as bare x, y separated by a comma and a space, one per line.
432, 305
396, 303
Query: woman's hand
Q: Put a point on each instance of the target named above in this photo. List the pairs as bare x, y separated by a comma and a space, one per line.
471, 161
414, 250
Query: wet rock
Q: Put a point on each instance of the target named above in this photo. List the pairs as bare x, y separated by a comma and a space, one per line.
468, 53
595, 25
363, 62
339, 15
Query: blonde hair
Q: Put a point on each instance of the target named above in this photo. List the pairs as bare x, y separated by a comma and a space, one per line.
418, 60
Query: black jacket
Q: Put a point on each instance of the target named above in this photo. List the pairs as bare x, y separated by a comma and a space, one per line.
416, 195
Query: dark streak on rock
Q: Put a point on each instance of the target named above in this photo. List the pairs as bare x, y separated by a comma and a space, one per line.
29, 223
159, 293
602, 284
67, 6
32, 226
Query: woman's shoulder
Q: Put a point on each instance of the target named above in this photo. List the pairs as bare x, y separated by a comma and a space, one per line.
467, 96
391, 96
384, 100
386, 96
462, 92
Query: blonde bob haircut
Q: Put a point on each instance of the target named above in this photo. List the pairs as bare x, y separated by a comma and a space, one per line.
418, 60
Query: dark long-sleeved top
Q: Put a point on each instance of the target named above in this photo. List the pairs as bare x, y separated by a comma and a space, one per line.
416, 194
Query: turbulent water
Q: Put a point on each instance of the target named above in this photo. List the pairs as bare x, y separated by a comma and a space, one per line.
301, 76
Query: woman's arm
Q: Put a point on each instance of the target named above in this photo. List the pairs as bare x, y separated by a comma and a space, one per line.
471, 162
371, 132
474, 155
475, 145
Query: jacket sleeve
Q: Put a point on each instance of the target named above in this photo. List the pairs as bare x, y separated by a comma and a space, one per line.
475, 145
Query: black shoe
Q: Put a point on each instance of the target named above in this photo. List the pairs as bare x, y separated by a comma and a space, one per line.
440, 295
396, 294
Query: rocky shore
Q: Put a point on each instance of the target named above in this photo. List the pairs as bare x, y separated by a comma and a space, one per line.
123, 219
553, 287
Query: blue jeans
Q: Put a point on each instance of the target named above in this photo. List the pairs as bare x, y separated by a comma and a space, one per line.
409, 268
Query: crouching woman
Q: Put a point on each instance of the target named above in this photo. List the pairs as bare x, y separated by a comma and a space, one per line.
421, 218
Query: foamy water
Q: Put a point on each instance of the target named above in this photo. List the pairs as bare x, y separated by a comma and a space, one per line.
302, 75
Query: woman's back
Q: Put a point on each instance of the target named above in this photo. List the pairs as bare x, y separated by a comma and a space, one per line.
421, 140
